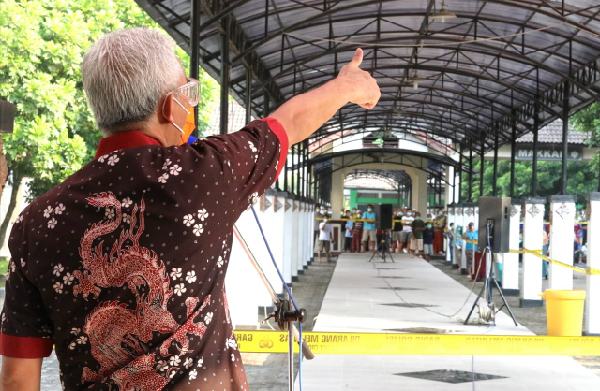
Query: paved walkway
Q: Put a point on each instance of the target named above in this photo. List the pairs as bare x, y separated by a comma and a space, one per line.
410, 295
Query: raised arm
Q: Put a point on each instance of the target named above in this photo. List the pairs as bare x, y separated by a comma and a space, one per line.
303, 114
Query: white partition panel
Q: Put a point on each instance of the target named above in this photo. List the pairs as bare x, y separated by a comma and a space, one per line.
272, 222
287, 242
510, 261
562, 209
592, 302
294, 239
306, 234
531, 276
245, 291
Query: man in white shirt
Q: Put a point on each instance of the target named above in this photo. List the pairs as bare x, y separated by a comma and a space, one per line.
325, 238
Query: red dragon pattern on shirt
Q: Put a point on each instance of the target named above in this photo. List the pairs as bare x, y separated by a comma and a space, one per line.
117, 334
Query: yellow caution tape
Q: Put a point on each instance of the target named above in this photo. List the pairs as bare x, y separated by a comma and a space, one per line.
539, 254
264, 341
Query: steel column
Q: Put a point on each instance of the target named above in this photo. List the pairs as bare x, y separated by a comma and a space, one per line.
513, 153
481, 166
565, 137
470, 195
534, 158
453, 186
292, 181
248, 94
225, 75
495, 166
460, 171
195, 51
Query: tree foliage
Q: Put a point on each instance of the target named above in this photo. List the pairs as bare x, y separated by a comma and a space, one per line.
43, 46
582, 178
588, 120
43, 43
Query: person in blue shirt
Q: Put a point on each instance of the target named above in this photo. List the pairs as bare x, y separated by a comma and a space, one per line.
471, 243
370, 229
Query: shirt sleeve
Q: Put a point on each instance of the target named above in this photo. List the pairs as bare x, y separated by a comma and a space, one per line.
250, 159
25, 329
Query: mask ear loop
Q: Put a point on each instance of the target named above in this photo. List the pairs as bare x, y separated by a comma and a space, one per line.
163, 111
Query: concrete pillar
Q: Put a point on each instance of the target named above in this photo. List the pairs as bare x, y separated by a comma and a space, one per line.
510, 261
337, 191
562, 236
419, 192
531, 276
592, 301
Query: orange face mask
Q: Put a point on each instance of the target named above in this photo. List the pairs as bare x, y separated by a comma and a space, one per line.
189, 126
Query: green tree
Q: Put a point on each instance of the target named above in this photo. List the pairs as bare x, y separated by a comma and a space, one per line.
588, 120
581, 178
43, 43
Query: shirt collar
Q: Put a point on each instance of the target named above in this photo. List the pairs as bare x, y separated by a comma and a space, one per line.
123, 140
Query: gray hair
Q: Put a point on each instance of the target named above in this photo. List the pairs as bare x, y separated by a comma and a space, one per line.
125, 74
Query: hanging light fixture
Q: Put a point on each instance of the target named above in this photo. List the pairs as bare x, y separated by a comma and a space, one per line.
443, 14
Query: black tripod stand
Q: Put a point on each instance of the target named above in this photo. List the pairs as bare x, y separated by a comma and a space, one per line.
384, 249
488, 312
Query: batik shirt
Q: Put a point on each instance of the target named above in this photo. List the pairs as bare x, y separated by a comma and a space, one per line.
121, 267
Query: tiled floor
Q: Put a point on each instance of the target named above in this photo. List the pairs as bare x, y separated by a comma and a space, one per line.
417, 296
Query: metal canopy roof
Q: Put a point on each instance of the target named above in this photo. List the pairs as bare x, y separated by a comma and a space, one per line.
469, 78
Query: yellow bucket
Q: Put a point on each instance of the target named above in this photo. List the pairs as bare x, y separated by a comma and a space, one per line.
564, 312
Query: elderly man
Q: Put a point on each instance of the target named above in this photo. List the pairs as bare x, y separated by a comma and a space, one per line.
121, 267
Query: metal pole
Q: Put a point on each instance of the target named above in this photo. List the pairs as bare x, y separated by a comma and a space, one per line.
298, 173
453, 185
305, 186
481, 166
248, 94
225, 74
513, 153
460, 171
470, 195
292, 179
565, 137
301, 168
495, 166
195, 50
285, 174
536, 127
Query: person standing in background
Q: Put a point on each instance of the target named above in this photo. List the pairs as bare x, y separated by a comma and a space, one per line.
450, 238
406, 234
397, 233
369, 233
357, 228
470, 237
348, 232
325, 239
428, 241
418, 226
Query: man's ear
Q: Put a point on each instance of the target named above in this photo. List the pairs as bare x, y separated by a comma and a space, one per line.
165, 112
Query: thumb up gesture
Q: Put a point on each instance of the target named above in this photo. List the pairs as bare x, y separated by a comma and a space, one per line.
361, 87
